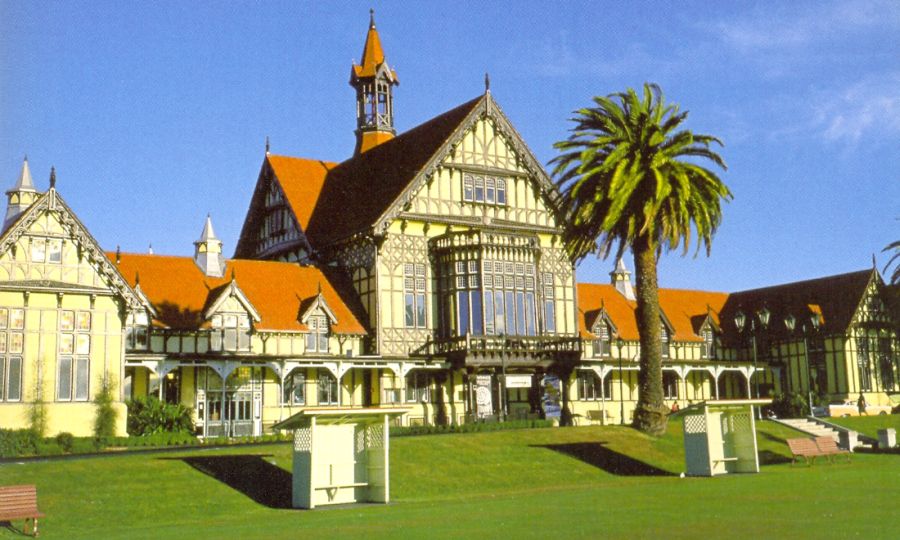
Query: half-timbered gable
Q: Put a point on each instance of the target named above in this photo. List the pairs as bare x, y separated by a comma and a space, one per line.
283, 200
62, 309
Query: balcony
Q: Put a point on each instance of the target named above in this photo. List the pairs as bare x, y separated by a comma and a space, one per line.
502, 351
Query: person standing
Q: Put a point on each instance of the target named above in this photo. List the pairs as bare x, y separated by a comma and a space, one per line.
861, 404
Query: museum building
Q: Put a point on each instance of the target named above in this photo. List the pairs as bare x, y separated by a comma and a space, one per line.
425, 270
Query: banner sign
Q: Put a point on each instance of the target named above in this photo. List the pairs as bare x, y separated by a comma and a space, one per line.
517, 381
483, 402
552, 393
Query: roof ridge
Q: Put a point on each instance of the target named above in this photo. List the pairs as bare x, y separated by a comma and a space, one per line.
854, 273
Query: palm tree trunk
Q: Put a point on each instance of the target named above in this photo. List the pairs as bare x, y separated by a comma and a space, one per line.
650, 416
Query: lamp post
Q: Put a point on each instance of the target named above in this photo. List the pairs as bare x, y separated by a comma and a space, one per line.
620, 343
791, 322
740, 320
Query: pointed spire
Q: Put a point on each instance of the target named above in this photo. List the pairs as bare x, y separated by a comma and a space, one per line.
267, 145
208, 251
621, 278
150, 249
487, 83
208, 232
373, 80
52, 177
24, 183
21, 196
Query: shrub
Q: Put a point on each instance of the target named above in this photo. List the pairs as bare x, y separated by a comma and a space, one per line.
105, 415
65, 441
18, 442
790, 405
147, 416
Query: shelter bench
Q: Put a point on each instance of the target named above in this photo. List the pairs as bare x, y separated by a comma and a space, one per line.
829, 447
805, 448
20, 502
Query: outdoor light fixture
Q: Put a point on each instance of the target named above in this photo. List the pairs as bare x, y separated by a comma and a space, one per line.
739, 320
763, 315
790, 322
814, 320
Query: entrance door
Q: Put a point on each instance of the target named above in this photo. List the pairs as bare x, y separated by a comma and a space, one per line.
241, 413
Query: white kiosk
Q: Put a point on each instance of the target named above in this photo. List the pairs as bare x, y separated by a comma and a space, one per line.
341, 456
720, 437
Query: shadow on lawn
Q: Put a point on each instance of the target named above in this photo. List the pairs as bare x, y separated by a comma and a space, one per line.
265, 483
598, 455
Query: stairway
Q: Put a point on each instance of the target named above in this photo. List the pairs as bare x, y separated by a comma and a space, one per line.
810, 427
817, 427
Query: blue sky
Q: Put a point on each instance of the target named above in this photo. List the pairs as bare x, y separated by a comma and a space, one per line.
155, 115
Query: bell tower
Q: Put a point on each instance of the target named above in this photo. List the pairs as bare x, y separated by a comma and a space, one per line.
373, 80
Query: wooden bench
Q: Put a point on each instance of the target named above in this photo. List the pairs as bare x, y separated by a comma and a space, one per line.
804, 448
20, 502
829, 447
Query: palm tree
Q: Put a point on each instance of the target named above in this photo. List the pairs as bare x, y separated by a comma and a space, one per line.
630, 179
895, 258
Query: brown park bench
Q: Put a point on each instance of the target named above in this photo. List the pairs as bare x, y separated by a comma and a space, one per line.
20, 502
804, 448
828, 446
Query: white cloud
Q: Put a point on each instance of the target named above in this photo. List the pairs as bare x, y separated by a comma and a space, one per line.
788, 25
870, 106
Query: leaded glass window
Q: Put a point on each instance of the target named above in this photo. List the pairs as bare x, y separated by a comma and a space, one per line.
414, 295
73, 360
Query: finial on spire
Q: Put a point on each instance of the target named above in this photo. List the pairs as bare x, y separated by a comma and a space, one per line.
874, 262
118, 254
320, 287
371, 17
233, 274
137, 278
52, 177
150, 248
267, 145
487, 82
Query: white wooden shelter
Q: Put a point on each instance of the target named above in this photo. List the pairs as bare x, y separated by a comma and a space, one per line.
341, 456
720, 437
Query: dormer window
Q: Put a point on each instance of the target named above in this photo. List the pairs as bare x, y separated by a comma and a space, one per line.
664, 339
136, 331
708, 347
230, 332
602, 344
317, 338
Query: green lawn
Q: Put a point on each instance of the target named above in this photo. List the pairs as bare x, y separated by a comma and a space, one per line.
564, 482
868, 425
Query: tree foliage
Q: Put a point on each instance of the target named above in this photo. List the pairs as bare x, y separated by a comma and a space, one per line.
631, 178
629, 173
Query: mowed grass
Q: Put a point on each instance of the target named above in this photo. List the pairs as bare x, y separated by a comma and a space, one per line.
586, 482
868, 425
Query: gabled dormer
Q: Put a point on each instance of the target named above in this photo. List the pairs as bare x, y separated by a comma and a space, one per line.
666, 334
230, 315
709, 333
604, 331
318, 318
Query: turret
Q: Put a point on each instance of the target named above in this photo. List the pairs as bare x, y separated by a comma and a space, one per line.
373, 80
208, 252
621, 278
21, 196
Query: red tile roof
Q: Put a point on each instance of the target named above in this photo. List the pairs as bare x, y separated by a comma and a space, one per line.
179, 291
358, 191
685, 310
301, 180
